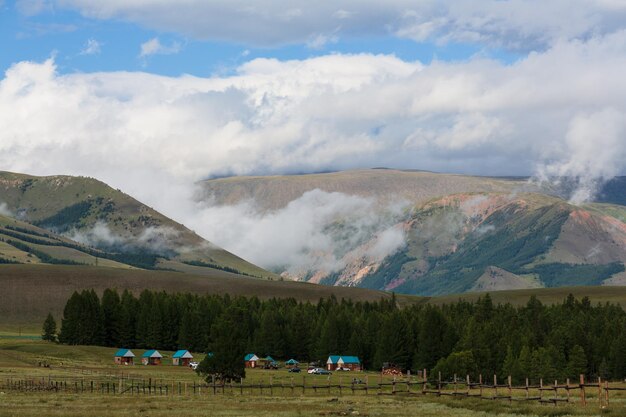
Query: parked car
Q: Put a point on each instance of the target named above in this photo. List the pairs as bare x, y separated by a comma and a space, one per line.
193, 365
343, 369
270, 365
312, 370
294, 370
323, 372
319, 371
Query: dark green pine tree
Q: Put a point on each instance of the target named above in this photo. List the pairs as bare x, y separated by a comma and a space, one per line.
618, 356
127, 320
190, 333
92, 323
269, 339
71, 323
143, 321
524, 362
111, 311
434, 340
577, 363
511, 366
229, 336
393, 342
49, 332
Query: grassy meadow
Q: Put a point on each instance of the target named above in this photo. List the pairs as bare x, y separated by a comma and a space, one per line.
20, 357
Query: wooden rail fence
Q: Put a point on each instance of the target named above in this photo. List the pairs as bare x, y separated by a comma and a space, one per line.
547, 393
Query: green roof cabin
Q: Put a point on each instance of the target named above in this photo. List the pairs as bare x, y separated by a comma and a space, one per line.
251, 360
124, 357
291, 363
181, 358
151, 357
336, 362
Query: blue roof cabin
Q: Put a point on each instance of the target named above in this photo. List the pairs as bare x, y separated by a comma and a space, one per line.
251, 360
151, 357
182, 358
124, 357
291, 363
340, 362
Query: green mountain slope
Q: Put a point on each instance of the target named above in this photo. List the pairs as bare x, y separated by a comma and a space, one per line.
462, 233
92, 213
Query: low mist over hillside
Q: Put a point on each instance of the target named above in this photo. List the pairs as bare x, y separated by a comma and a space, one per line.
84, 211
420, 232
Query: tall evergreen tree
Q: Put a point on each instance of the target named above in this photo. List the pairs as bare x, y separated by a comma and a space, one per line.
111, 311
228, 348
577, 363
49, 332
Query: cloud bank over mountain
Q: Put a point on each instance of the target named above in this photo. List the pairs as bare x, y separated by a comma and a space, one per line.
559, 110
514, 24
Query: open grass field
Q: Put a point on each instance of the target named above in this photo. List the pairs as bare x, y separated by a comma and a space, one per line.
597, 294
19, 360
29, 292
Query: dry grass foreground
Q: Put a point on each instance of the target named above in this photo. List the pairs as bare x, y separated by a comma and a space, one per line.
39, 404
19, 360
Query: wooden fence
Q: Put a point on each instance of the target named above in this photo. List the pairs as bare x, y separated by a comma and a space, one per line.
554, 393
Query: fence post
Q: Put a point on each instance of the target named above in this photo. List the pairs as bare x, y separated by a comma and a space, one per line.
241, 386
495, 385
454, 384
583, 398
213, 381
527, 390
468, 384
510, 389
567, 388
439, 385
556, 392
425, 381
367, 384
480, 385
606, 392
600, 391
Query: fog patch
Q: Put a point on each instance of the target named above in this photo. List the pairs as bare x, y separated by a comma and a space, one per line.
312, 233
157, 240
593, 153
483, 229
4, 210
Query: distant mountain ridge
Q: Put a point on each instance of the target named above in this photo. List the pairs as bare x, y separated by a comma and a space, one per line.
462, 233
87, 211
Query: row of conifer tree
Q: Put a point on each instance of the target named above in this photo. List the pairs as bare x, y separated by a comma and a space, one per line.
534, 340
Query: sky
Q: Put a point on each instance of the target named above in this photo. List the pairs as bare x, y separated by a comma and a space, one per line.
151, 96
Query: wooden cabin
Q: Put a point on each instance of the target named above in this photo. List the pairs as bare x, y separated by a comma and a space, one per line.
335, 362
182, 358
251, 360
291, 363
151, 357
124, 357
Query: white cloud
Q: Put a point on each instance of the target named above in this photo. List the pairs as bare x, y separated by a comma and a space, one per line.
313, 232
4, 210
32, 7
319, 41
92, 47
558, 112
155, 47
515, 24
